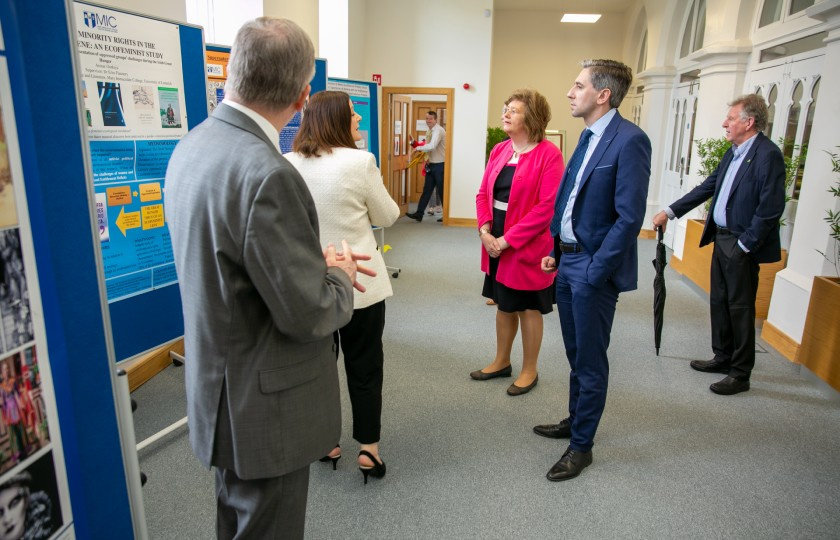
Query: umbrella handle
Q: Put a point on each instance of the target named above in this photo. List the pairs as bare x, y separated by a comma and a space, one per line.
660, 232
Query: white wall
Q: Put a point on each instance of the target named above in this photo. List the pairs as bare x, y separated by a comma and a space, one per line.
162, 9
441, 44
532, 49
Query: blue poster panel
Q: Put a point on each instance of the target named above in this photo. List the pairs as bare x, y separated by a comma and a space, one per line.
142, 83
364, 97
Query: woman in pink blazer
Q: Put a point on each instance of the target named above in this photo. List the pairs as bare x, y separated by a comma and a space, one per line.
514, 207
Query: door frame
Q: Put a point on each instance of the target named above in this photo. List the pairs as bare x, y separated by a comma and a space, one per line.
385, 149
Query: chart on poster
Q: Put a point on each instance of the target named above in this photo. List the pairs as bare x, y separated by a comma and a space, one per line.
34, 498
133, 91
364, 97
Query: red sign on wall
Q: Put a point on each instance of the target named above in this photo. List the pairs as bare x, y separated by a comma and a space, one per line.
377, 78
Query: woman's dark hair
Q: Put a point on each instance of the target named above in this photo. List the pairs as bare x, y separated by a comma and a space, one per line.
325, 125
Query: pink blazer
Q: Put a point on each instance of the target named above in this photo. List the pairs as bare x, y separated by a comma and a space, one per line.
529, 213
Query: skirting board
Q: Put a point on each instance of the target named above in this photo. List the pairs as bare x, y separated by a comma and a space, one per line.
783, 343
146, 367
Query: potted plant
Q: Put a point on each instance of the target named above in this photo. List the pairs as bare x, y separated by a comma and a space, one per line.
820, 348
495, 135
710, 151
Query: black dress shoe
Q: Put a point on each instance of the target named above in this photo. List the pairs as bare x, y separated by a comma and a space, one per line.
563, 430
730, 385
710, 366
570, 465
440, 220
417, 215
514, 390
483, 376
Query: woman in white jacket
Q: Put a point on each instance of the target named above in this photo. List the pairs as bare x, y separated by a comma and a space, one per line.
350, 197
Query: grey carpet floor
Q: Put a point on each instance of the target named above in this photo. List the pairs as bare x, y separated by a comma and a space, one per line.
671, 459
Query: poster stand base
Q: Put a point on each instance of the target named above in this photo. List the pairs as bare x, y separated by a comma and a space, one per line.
147, 366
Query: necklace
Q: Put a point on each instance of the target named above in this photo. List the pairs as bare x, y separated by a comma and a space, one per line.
517, 153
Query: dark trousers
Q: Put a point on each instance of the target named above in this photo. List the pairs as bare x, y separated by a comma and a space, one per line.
361, 343
434, 179
262, 508
734, 283
586, 318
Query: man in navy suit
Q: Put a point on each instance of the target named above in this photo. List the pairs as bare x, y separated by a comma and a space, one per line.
748, 190
599, 212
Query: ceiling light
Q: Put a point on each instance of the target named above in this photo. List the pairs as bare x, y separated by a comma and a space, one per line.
580, 17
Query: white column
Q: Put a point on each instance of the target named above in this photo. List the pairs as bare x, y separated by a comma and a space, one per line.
792, 289
303, 12
659, 84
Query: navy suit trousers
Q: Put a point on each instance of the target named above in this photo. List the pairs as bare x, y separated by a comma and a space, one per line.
586, 318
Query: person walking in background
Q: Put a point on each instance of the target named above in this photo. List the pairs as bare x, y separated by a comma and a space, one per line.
514, 206
350, 198
748, 198
261, 299
598, 215
435, 146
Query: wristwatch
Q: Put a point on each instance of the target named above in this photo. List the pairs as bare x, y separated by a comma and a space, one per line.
482, 232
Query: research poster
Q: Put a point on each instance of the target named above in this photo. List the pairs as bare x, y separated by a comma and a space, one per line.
216, 59
364, 97
34, 495
360, 96
133, 90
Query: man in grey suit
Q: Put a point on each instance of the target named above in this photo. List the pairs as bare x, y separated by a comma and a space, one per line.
261, 300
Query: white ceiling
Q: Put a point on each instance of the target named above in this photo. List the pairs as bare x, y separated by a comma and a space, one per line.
566, 6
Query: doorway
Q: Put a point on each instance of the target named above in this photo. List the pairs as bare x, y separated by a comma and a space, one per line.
398, 122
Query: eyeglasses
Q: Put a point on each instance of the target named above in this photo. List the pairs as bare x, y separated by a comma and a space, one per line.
510, 110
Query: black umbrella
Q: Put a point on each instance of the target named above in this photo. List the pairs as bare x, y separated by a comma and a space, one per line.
659, 264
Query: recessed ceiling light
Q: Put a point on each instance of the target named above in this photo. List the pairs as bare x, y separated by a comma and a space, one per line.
580, 17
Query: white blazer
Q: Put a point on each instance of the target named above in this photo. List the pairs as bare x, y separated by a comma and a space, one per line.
350, 197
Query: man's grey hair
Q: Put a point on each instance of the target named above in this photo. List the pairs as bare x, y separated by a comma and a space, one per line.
271, 62
752, 106
610, 74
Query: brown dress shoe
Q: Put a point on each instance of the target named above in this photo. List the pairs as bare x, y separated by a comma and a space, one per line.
514, 390
483, 376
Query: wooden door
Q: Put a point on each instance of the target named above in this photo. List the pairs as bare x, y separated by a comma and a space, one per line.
399, 114
418, 131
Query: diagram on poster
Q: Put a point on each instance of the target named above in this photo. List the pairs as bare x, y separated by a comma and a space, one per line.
135, 65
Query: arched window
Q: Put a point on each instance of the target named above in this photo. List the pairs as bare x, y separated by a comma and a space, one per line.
772, 95
641, 65
772, 10
674, 154
793, 120
695, 28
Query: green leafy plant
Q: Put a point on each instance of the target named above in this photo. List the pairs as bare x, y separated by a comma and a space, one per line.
710, 151
795, 156
833, 218
495, 135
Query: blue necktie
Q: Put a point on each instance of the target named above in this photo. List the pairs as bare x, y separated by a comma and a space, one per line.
569, 182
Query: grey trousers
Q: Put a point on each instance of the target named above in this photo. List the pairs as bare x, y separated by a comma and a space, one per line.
267, 508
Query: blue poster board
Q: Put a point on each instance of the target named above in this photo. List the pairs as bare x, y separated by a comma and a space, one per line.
53, 156
318, 84
143, 85
363, 94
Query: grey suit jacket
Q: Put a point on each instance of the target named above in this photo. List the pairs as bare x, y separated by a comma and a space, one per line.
260, 304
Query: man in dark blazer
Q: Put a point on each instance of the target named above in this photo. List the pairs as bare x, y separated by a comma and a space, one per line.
261, 300
748, 198
599, 212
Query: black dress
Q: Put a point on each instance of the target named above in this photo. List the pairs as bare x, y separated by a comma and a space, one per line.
511, 300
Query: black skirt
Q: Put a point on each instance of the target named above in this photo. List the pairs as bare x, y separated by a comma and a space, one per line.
511, 300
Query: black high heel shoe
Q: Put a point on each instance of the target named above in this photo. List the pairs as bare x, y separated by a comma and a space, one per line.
334, 459
378, 469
